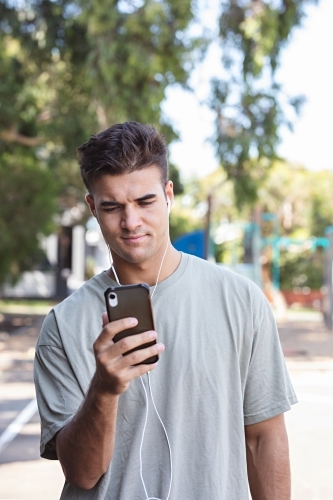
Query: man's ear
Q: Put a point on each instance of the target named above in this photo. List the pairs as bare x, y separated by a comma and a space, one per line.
91, 204
169, 191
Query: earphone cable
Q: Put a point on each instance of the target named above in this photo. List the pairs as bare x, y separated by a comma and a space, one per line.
165, 432
159, 271
151, 395
143, 435
158, 275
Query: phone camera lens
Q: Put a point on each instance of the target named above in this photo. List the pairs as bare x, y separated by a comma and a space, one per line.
112, 296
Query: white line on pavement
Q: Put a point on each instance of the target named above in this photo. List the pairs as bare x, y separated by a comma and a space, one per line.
314, 398
15, 427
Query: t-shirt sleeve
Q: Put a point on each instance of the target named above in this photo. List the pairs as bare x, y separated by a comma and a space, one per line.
268, 389
58, 393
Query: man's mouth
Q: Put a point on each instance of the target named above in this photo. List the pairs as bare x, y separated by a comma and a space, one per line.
135, 238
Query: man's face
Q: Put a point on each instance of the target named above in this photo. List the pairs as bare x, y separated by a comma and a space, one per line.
132, 213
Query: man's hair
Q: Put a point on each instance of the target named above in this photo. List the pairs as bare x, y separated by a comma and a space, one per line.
121, 149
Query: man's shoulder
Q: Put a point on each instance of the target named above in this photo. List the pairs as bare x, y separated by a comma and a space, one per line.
218, 279
86, 302
219, 272
92, 291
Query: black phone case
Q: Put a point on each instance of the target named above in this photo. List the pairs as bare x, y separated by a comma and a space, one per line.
133, 301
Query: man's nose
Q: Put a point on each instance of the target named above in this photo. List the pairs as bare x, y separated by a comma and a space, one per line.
131, 218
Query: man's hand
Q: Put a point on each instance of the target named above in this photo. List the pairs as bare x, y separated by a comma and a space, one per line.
268, 459
114, 371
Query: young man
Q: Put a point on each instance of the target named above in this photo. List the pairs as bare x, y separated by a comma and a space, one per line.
220, 385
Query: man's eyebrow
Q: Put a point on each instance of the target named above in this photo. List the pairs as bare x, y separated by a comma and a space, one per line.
115, 203
109, 203
146, 197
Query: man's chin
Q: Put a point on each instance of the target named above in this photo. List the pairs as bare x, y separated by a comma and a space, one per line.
135, 255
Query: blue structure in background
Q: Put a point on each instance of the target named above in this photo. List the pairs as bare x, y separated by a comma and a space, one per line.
193, 243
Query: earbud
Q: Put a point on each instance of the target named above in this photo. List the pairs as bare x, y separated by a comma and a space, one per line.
168, 204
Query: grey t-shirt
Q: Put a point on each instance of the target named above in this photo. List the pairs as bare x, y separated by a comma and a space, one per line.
222, 368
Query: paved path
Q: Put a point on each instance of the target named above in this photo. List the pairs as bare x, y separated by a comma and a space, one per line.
309, 353
308, 347
23, 474
310, 429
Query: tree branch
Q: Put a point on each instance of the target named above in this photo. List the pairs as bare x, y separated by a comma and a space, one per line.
14, 136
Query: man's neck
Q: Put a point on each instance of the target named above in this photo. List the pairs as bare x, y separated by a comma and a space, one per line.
147, 272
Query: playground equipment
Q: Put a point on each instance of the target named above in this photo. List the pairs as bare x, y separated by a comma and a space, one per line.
193, 243
198, 243
278, 242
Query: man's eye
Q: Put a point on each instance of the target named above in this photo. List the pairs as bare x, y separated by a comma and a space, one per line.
110, 209
146, 203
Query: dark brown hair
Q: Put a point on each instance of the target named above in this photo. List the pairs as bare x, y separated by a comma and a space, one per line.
121, 149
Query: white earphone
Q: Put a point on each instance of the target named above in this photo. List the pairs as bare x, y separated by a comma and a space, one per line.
169, 204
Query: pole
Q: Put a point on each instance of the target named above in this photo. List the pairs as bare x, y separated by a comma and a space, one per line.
207, 226
328, 299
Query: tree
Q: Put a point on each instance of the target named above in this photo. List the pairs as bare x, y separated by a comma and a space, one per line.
68, 69
302, 212
321, 206
27, 195
249, 102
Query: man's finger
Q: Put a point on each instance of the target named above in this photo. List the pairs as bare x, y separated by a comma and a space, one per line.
132, 341
136, 357
137, 371
105, 319
111, 329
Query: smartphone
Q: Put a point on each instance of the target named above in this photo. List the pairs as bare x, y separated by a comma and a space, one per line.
131, 301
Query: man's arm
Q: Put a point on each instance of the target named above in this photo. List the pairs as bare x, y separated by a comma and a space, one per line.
268, 463
85, 445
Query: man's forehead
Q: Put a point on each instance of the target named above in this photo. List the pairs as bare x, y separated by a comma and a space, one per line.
131, 185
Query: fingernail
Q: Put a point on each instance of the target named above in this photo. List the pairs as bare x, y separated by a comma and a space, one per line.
133, 321
152, 335
160, 347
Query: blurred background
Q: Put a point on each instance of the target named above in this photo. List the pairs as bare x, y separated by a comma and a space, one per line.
241, 90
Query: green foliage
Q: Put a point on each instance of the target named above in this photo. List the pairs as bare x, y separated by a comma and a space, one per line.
229, 252
287, 193
301, 199
248, 102
174, 176
302, 270
183, 221
28, 202
69, 69
136, 50
322, 208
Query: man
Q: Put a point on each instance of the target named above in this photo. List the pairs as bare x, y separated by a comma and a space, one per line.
220, 385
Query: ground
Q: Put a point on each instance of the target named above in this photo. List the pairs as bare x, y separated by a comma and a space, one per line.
308, 348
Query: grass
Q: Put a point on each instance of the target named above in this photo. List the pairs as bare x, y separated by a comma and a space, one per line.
24, 306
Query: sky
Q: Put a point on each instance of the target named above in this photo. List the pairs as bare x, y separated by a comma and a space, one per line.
306, 68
